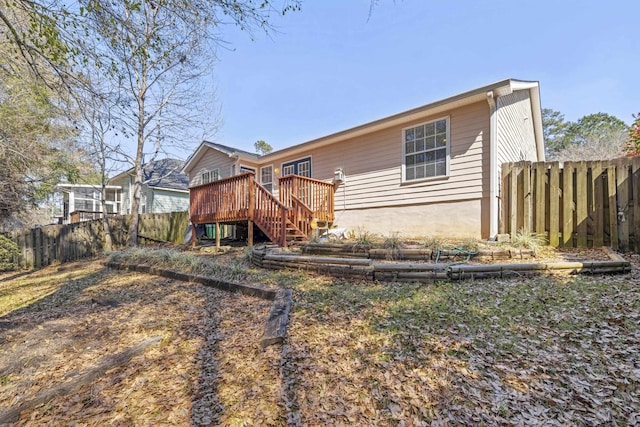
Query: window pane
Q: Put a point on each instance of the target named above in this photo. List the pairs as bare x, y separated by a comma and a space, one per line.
441, 155
441, 126
431, 156
420, 145
409, 135
420, 132
409, 147
420, 158
431, 142
411, 160
420, 172
429, 129
441, 168
411, 173
431, 170
441, 139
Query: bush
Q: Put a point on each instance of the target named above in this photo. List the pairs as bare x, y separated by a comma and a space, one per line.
9, 254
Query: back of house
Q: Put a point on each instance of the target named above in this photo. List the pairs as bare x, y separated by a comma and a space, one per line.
429, 171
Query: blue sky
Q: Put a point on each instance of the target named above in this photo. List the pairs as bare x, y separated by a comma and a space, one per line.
331, 66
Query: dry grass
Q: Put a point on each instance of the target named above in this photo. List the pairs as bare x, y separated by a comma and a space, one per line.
555, 350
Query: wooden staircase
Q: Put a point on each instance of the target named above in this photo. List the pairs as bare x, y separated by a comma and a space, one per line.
285, 220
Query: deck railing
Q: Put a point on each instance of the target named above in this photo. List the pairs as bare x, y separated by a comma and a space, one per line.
270, 215
315, 194
224, 200
241, 198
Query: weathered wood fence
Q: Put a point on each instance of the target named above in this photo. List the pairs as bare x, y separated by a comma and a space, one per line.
574, 204
42, 246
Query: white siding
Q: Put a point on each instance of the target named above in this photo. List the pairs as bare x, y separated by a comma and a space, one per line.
515, 136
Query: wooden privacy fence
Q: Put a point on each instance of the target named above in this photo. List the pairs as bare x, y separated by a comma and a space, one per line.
574, 204
42, 246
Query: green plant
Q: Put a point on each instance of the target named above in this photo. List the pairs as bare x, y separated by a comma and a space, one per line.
526, 239
9, 254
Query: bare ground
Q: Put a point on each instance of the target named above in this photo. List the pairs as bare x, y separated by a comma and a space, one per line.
527, 351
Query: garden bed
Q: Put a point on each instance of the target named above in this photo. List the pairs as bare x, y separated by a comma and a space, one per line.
425, 264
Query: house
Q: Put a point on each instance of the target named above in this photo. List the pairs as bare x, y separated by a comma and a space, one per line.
430, 171
165, 189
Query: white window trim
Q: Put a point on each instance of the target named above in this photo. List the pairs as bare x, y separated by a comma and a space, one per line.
310, 157
448, 155
272, 177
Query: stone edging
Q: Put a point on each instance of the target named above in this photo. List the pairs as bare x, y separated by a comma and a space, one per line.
276, 326
274, 258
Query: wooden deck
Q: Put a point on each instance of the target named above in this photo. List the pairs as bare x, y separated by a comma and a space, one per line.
242, 199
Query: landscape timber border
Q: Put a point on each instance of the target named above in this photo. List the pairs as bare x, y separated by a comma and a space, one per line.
364, 267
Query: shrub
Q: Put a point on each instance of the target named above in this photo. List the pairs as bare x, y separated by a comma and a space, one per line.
9, 254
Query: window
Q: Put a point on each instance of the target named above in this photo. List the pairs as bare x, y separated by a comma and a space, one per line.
301, 167
266, 177
209, 176
244, 169
426, 150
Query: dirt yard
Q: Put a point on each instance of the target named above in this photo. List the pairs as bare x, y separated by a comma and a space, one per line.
526, 351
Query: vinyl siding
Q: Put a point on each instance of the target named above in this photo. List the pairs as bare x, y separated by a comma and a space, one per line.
168, 201
516, 139
212, 159
373, 164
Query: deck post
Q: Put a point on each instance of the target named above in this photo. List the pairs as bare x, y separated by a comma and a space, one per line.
217, 236
193, 234
250, 233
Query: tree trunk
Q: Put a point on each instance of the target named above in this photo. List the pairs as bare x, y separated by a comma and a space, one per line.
108, 242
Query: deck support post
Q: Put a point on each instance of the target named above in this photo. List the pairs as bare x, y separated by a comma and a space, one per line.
217, 236
250, 233
193, 234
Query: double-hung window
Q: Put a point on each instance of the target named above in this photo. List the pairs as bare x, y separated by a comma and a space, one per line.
266, 177
210, 176
426, 150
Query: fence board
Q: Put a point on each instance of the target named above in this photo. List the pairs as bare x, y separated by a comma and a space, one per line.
581, 204
613, 211
554, 204
622, 203
568, 210
598, 204
539, 200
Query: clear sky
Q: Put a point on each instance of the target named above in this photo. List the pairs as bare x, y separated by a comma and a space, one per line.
331, 66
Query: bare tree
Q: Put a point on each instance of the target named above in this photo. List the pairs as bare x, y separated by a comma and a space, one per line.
609, 145
161, 51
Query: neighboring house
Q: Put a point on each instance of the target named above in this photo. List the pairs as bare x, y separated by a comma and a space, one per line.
429, 171
165, 189
81, 202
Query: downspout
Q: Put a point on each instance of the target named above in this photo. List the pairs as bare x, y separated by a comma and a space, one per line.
493, 167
